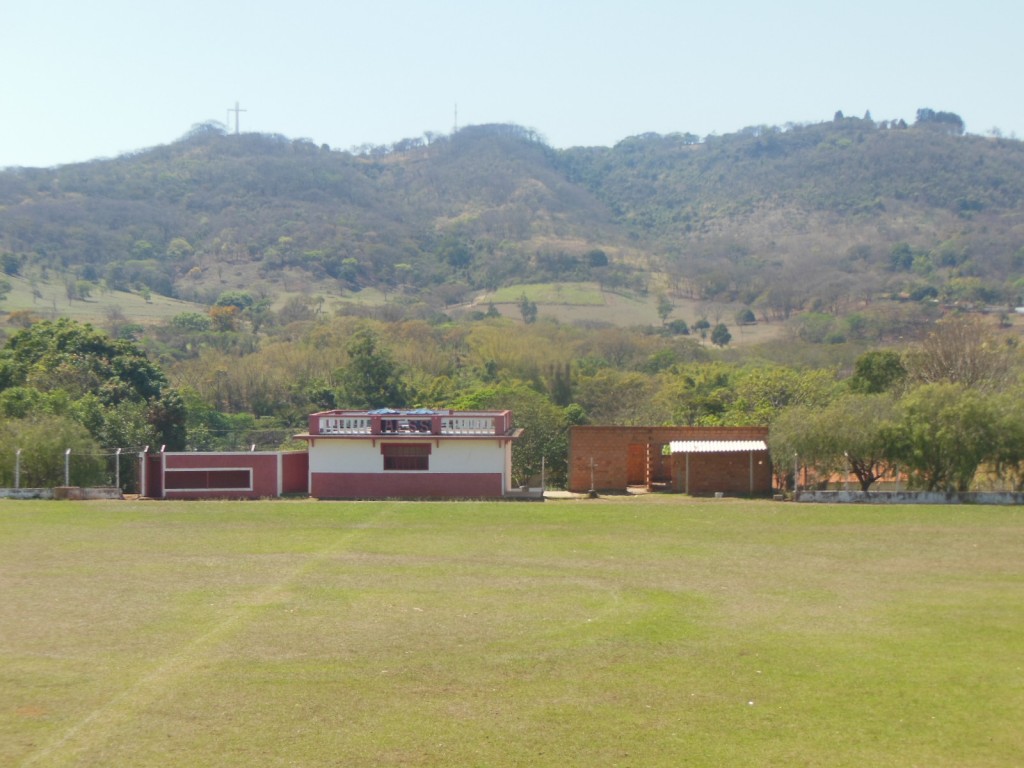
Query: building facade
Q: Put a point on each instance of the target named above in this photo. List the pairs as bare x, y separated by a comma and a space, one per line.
724, 459
410, 454
224, 474
380, 454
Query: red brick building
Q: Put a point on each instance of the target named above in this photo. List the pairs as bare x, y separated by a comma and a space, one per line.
730, 460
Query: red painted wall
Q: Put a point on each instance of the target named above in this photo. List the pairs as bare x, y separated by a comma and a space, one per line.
295, 468
263, 466
153, 474
422, 485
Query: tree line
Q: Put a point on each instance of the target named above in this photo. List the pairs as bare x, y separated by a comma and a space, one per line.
941, 411
946, 414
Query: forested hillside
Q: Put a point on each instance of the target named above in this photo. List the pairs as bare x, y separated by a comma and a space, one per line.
823, 217
793, 277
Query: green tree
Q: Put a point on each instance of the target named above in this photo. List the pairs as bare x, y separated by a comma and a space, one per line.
10, 264
664, 307
1008, 460
545, 429
179, 249
847, 434
941, 434
678, 327
612, 396
242, 300
65, 354
191, 322
760, 393
878, 370
527, 309
702, 326
700, 395
746, 317
720, 335
371, 379
82, 373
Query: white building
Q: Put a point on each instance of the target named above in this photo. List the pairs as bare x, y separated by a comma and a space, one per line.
410, 454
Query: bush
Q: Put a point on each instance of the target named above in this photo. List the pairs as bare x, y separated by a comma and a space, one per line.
43, 441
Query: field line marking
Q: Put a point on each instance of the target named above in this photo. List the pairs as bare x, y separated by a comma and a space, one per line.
105, 718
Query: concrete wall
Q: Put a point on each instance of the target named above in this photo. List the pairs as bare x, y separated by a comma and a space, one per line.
609, 447
908, 497
69, 493
26, 493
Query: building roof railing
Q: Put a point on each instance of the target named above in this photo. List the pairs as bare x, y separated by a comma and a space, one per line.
411, 422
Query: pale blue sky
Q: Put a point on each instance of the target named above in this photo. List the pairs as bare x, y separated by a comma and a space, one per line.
80, 80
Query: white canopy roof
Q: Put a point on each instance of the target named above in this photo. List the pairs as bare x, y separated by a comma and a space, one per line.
716, 446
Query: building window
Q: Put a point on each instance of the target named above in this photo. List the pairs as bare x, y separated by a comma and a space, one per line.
208, 480
406, 456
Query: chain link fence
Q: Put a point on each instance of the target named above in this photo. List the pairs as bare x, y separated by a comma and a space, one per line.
28, 468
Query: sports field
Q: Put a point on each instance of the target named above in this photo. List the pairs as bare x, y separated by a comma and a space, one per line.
647, 631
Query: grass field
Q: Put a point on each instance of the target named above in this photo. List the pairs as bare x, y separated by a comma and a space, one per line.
587, 302
647, 631
54, 303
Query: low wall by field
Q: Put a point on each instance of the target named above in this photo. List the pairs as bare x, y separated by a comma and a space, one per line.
70, 493
26, 493
908, 497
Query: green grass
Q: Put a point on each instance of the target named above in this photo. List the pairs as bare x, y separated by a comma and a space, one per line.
645, 632
54, 303
575, 294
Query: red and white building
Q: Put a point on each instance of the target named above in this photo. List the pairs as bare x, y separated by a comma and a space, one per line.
412, 454
378, 454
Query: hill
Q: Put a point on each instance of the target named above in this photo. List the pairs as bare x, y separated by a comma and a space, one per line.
829, 217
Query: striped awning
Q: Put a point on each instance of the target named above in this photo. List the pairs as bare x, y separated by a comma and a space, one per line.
716, 446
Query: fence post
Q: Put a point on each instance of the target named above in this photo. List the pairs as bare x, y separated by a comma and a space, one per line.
17, 469
117, 470
67, 467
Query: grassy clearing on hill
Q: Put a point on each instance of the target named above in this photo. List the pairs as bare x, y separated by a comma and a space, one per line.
651, 631
54, 303
586, 302
576, 294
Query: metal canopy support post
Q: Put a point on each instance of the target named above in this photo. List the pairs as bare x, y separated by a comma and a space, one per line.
751, 473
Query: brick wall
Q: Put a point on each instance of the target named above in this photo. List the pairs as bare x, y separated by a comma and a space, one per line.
609, 448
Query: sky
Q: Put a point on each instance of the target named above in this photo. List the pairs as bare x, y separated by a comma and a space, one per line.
86, 80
